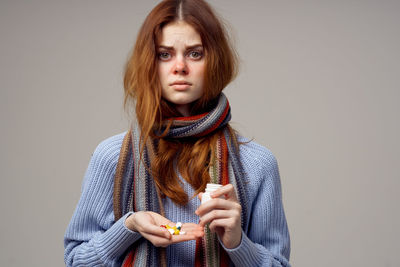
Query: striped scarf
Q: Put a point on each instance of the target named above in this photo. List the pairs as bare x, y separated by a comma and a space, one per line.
134, 188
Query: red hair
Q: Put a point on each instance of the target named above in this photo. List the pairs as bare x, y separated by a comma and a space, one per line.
142, 87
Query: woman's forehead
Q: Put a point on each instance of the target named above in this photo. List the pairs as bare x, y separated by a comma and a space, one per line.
179, 34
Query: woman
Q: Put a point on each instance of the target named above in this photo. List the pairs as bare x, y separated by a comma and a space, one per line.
150, 176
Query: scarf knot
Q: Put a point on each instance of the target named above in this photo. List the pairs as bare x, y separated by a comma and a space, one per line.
199, 125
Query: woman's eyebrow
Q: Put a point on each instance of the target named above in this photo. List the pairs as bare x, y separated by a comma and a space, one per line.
187, 47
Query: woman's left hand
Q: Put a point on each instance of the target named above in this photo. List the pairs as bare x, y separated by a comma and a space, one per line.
223, 216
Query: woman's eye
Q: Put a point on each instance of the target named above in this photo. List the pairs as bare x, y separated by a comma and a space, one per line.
195, 54
164, 55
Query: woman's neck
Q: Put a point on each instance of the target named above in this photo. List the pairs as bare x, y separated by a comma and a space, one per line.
184, 109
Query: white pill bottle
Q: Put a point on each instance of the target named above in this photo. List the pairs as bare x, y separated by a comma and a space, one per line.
209, 189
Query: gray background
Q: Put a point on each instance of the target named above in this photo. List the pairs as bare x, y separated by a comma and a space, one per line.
319, 86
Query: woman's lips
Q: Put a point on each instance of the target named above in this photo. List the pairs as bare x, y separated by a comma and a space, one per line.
181, 86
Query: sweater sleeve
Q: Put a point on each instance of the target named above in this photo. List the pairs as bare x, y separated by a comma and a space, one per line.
92, 237
267, 241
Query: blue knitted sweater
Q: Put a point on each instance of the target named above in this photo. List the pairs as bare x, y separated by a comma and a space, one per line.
93, 238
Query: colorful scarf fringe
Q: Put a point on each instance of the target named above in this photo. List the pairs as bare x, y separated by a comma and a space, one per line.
134, 188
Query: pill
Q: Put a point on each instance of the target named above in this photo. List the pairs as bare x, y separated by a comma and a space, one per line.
172, 231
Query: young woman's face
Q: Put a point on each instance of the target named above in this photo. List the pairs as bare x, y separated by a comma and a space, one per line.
181, 65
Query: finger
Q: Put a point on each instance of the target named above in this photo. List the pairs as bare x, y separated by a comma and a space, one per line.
163, 242
157, 240
147, 222
156, 230
227, 190
191, 227
160, 220
229, 231
187, 227
182, 238
198, 234
222, 223
217, 214
217, 203
200, 195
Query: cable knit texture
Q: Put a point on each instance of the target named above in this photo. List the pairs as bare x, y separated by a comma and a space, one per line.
94, 239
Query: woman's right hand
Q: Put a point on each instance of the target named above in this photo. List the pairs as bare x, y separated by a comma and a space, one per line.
148, 224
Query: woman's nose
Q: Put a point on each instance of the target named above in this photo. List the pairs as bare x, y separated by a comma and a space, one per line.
180, 66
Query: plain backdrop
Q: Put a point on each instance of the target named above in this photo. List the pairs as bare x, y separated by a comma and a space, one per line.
318, 85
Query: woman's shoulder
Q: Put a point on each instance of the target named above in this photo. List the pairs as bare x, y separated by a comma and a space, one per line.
255, 156
103, 163
259, 165
107, 151
110, 144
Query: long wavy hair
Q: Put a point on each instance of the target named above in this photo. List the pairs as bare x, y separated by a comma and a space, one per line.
143, 89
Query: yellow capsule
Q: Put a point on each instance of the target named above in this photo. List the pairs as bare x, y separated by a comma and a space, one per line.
176, 232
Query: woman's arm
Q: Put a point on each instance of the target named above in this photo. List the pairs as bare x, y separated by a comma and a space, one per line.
92, 237
267, 242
